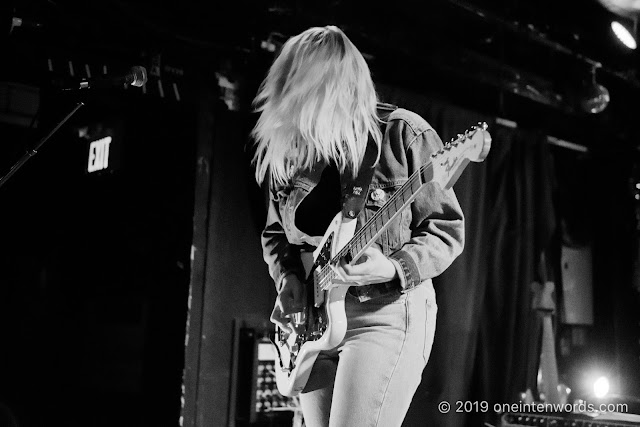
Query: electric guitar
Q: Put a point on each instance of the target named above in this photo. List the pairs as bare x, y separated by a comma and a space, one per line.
325, 322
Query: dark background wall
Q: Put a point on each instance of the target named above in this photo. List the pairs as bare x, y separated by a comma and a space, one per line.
94, 269
230, 283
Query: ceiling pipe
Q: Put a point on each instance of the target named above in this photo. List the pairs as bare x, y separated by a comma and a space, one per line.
531, 33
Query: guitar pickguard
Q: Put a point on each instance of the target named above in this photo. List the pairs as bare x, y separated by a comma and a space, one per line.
316, 320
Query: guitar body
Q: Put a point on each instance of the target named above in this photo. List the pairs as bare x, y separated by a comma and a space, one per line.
326, 320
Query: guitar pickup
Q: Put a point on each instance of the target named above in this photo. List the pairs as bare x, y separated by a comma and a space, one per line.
318, 293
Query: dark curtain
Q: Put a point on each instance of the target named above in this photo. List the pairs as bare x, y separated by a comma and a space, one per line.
483, 346
230, 282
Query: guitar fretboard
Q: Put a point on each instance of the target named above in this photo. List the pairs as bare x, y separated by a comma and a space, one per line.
374, 227
452, 159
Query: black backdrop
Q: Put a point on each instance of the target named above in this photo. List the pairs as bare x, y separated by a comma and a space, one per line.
481, 348
94, 270
526, 198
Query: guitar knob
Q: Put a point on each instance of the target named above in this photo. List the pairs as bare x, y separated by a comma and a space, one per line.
299, 318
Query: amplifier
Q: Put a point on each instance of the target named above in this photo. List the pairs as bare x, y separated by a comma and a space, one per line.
254, 399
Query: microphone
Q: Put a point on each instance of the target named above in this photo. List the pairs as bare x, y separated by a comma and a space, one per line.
137, 76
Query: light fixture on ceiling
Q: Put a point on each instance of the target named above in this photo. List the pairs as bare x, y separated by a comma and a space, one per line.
593, 97
622, 7
624, 35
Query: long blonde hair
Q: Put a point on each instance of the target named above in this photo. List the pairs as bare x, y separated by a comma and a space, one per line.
317, 103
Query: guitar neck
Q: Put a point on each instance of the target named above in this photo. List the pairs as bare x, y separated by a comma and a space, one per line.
381, 220
444, 167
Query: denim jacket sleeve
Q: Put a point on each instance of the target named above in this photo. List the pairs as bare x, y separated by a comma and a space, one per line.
282, 257
437, 221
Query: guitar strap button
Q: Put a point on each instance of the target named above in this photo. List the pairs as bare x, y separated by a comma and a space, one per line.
377, 195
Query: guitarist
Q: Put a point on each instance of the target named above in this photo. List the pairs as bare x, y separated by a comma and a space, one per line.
318, 113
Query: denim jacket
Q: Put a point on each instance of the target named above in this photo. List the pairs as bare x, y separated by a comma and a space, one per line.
421, 242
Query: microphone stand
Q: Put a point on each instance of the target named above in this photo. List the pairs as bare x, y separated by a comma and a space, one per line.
30, 153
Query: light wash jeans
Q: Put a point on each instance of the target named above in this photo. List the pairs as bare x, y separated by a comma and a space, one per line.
370, 378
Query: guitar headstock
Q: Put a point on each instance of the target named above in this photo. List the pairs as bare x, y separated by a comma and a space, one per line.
543, 299
472, 145
543, 292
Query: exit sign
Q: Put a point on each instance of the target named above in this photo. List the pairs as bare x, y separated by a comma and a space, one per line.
99, 154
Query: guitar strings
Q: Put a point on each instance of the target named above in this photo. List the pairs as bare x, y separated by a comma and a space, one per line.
385, 208
326, 272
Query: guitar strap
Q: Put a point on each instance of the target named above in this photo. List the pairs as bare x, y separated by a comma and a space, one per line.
354, 191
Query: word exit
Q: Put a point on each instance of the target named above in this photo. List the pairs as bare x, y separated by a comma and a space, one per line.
99, 154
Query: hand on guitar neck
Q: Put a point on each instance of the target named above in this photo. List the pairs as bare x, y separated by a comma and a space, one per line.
372, 267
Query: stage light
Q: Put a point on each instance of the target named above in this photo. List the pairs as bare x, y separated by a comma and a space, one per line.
593, 97
623, 35
622, 7
601, 387
596, 99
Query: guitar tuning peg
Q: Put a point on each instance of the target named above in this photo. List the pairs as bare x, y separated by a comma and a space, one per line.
483, 125
461, 136
434, 155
